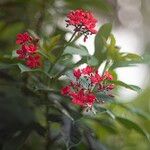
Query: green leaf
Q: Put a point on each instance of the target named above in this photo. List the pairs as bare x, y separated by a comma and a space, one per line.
5, 66
131, 87
49, 57
131, 125
131, 57
80, 50
102, 110
92, 61
108, 125
23, 68
137, 111
71, 133
53, 42
102, 96
70, 75
100, 39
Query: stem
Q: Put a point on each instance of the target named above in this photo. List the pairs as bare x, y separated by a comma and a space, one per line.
71, 38
47, 138
63, 49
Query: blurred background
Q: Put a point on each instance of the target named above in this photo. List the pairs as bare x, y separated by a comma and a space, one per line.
131, 27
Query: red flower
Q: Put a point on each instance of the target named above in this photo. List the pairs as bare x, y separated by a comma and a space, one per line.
22, 53
83, 92
108, 76
83, 21
31, 48
77, 73
33, 61
28, 50
87, 70
90, 99
78, 98
65, 90
96, 78
23, 38
110, 87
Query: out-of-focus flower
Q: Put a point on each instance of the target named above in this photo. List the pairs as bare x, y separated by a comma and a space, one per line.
108, 76
28, 50
77, 73
33, 61
22, 38
65, 90
83, 22
87, 70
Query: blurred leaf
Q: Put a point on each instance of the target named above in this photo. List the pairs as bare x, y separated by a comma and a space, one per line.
49, 57
23, 68
71, 133
52, 42
11, 30
70, 75
92, 61
102, 96
80, 50
108, 125
136, 111
104, 110
131, 125
100, 39
55, 118
131, 87
131, 57
93, 143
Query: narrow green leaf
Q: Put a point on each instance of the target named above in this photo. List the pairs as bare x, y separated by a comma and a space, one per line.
131, 125
131, 87
23, 68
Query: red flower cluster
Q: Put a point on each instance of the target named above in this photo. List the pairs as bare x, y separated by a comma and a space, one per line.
28, 50
88, 82
83, 21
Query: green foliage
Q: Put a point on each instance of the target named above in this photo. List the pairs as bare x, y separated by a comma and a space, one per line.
31, 106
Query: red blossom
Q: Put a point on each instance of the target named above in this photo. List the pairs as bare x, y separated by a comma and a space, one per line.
33, 61
77, 73
83, 21
87, 70
31, 48
108, 76
110, 86
78, 98
21, 53
65, 90
96, 78
28, 50
90, 99
23, 38
84, 94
